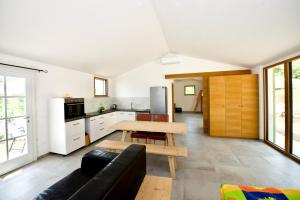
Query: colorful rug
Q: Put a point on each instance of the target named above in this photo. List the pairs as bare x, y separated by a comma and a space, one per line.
239, 192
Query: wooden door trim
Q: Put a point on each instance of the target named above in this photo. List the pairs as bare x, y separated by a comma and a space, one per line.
279, 149
282, 62
173, 106
205, 74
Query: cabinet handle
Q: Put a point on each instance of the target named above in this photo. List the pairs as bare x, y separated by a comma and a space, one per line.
76, 124
92, 120
101, 123
76, 138
101, 129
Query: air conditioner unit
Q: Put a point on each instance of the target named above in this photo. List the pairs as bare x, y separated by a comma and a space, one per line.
170, 60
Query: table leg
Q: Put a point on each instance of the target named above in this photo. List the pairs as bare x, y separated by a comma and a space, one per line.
173, 139
172, 167
171, 142
124, 136
169, 138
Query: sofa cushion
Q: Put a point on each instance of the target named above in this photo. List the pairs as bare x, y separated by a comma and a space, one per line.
120, 179
65, 188
95, 160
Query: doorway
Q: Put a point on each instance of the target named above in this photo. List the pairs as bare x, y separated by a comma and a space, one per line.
16, 133
188, 98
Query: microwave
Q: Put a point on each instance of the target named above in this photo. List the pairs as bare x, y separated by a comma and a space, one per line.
74, 108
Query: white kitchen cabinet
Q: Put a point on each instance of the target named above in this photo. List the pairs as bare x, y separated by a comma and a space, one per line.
75, 135
99, 126
111, 119
122, 115
64, 137
68, 137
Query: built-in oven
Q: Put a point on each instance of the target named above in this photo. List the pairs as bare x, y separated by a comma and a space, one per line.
74, 108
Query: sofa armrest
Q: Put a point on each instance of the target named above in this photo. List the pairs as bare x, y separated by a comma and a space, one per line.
95, 160
121, 179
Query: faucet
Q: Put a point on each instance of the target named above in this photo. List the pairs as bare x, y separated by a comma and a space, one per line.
131, 105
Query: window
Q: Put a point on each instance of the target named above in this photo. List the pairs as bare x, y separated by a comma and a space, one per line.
282, 97
189, 90
100, 87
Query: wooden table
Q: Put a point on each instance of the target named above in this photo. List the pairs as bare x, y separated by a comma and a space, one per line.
170, 128
155, 187
170, 151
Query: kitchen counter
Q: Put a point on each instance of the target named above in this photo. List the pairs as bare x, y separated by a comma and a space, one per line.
93, 114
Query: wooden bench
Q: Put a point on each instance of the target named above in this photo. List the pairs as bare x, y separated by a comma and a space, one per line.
155, 187
170, 151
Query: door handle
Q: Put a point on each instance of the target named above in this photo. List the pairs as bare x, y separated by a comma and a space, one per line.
27, 118
76, 138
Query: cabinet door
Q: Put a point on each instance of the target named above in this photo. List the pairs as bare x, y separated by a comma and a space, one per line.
250, 106
92, 128
217, 105
111, 120
121, 116
233, 106
131, 116
75, 135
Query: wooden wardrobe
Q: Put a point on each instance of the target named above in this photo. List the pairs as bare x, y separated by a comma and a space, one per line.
233, 106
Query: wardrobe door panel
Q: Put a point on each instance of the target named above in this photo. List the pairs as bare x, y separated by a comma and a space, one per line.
217, 105
233, 103
250, 106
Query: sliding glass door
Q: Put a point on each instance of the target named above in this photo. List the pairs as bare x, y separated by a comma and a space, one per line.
276, 105
296, 107
282, 108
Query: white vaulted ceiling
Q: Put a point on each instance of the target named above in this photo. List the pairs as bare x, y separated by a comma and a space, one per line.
112, 37
240, 32
105, 37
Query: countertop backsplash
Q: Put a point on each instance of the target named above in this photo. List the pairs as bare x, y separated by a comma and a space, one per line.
93, 104
137, 102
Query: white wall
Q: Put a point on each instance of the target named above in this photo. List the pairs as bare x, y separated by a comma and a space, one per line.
136, 83
56, 83
259, 70
186, 102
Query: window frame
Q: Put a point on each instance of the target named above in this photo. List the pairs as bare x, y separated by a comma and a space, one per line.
106, 86
194, 86
288, 107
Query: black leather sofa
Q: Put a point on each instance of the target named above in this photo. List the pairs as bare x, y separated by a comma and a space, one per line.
103, 175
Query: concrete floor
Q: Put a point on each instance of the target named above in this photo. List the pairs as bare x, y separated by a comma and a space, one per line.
211, 162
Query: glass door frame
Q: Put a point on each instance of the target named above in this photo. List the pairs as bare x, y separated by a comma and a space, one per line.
31, 129
288, 107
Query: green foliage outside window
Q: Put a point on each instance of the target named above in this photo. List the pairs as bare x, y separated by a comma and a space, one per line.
279, 71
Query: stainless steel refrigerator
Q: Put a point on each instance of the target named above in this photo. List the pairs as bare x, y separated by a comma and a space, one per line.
158, 100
